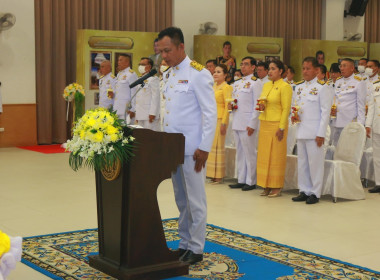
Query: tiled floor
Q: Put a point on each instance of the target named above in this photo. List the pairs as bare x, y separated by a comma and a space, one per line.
40, 194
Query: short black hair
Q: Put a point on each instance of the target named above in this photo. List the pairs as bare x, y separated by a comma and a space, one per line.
213, 61
334, 68
174, 33
150, 61
251, 60
227, 43
312, 60
263, 64
363, 58
127, 56
377, 63
318, 53
348, 60
155, 40
291, 69
323, 68
280, 65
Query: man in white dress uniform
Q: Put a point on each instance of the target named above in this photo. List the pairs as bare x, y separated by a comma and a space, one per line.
350, 98
147, 101
262, 72
314, 100
245, 124
107, 84
123, 104
190, 110
373, 125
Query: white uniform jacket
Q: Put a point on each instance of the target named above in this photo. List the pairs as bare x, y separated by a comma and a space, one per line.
350, 98
190, 105
314, 99
123, 93
148, 99
246, 90
373, 117
106, 83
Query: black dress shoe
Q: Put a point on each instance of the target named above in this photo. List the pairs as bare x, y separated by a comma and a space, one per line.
376, 189
237, 186
312, 199
301, 197
191, 258
180, 252
248, 187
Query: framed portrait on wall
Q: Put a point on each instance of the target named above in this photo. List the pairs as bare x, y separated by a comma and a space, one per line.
271, 58
96, 58
117, 54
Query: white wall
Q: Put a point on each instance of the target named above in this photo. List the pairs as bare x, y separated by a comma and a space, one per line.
189, 14
17, 54
335, 26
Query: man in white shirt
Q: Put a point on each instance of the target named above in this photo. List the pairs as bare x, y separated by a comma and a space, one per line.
190, 110
262, 72
106, 85
123, 104
148, 98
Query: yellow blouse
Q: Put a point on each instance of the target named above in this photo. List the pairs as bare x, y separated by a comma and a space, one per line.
222, 92
278, 97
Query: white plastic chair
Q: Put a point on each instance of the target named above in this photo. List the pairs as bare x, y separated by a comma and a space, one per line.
342, 175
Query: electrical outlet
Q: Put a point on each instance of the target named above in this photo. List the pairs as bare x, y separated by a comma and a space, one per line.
1, 129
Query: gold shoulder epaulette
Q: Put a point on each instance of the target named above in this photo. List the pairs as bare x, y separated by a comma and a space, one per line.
102, 76
167, 68
321, 82
130, 70
340, 77
253, 78
376, 82
196, 65
364, 78
237, 80
357, 78
112, 76
300, 82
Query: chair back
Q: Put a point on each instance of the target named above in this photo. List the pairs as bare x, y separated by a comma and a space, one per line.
291, 139
351, 143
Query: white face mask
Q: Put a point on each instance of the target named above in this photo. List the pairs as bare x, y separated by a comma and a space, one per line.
369, 71
236, 78
163, 68
141, 69
361, 68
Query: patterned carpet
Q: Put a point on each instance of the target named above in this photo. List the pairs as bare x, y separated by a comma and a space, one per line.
228, 255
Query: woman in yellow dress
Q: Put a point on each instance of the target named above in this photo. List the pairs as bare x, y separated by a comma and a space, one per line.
275, 102
215, 162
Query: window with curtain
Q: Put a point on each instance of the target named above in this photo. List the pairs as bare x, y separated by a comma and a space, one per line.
56, 22
289, 19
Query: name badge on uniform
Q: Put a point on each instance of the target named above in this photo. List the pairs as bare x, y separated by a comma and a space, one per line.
183, 82
247, 85
351, 87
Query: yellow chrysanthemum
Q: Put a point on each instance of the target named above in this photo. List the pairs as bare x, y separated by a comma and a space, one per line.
98, 136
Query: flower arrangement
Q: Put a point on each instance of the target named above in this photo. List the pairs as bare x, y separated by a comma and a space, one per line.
75, 92
10, 253
333, 111
260, 106
232, 104
295, 118
100, 140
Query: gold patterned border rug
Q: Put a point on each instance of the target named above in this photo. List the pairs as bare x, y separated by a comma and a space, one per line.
229, 255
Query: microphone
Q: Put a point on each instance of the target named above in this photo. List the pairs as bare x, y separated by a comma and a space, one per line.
143, 78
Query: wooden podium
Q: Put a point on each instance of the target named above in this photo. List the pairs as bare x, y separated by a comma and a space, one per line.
132, 243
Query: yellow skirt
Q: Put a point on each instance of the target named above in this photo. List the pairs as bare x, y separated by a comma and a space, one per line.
216, 158
271, 156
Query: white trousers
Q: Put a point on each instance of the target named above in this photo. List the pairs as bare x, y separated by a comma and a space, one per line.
246, 152
155, 125
376, 156
190, 196
336, 135
310, 167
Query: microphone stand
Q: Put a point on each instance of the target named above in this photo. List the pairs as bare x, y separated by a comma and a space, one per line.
129, 105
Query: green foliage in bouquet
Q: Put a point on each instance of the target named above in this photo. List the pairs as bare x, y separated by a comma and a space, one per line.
100, 139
